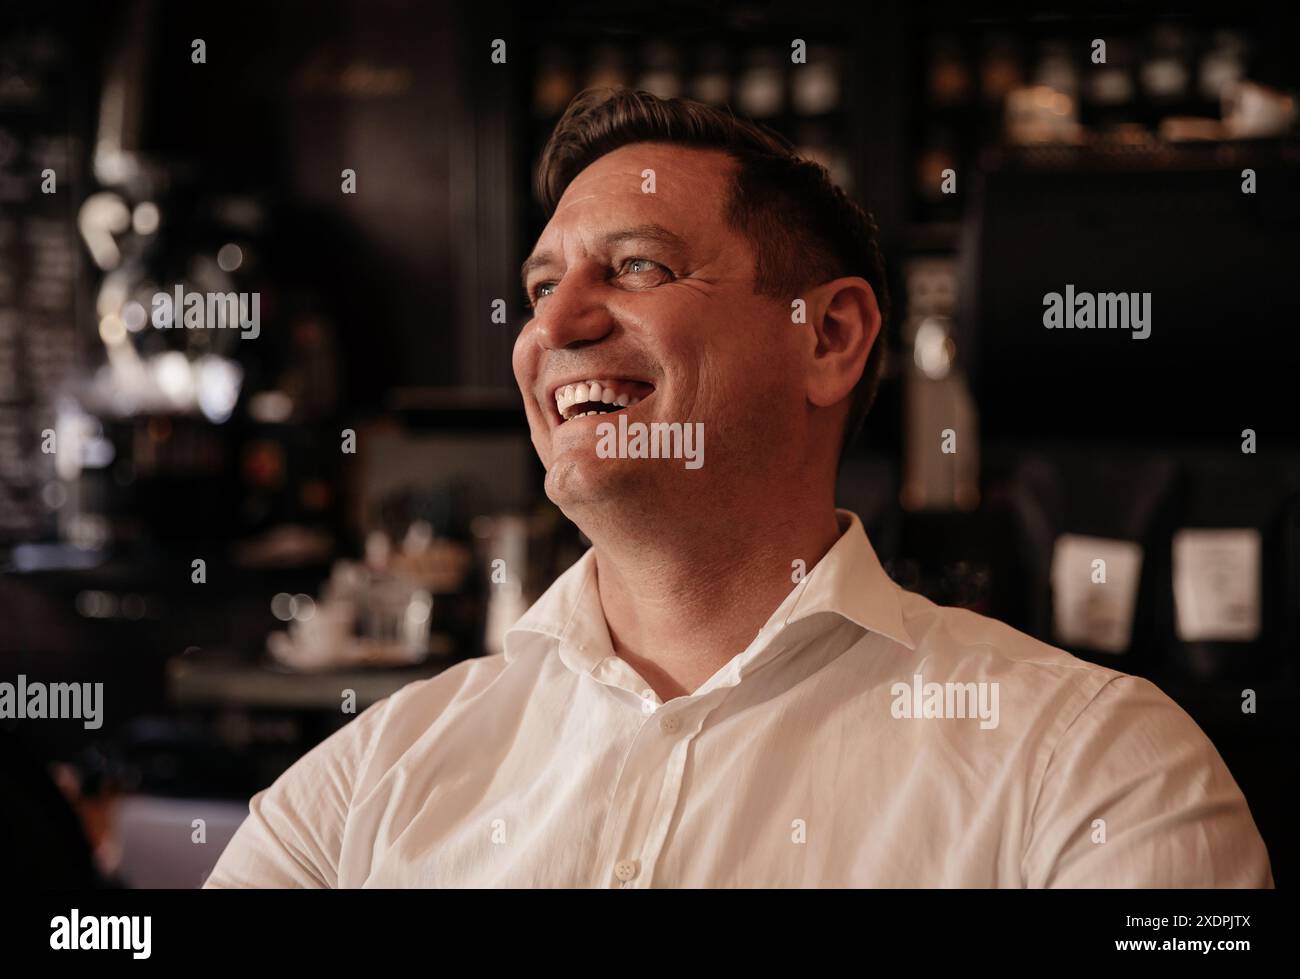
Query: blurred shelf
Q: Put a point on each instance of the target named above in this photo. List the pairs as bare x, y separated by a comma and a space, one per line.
1149, 155
195, 682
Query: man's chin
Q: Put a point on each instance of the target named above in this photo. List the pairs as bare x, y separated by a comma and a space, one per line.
574, 481
577, 480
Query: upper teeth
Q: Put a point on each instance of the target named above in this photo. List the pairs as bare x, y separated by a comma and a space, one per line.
597, 392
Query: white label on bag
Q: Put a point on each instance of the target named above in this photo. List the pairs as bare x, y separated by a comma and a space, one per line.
1217, 584
1094, 591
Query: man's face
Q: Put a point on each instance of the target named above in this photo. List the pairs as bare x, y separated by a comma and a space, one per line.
654, 292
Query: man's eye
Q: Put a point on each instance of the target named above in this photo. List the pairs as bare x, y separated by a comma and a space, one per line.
640, 266
540, 292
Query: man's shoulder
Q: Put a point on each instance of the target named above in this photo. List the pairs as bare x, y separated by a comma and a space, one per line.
399, 720
1044, 697
466, 679
958, 644
943, 629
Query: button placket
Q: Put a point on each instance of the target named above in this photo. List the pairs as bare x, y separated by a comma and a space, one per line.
638, 786
666, 804
649, 777
620, 828
674, 773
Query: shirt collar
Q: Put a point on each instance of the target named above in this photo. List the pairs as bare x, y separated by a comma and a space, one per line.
570, 613
848, 581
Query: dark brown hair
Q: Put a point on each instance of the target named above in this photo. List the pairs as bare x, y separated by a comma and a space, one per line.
803, 228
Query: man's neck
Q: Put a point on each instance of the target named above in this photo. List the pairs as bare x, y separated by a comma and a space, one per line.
679, 608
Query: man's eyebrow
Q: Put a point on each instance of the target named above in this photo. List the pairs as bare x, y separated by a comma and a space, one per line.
656, 233
645, 232
533, 261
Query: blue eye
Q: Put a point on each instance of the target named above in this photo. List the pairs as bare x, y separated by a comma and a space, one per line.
640, 266
539, 293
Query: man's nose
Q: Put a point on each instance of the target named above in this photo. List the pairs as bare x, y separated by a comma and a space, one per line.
572, 315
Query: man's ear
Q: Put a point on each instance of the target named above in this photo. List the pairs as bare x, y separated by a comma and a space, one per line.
846, 324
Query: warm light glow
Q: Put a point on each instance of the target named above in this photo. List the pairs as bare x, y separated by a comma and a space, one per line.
146, 218
112, 330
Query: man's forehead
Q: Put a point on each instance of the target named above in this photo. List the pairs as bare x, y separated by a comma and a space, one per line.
610, 201
682, 177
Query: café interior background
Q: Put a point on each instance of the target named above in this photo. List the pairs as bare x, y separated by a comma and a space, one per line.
326, 570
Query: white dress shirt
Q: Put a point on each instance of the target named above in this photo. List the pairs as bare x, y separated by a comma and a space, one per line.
816, 757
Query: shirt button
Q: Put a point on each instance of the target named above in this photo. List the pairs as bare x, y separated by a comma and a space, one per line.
669, 724
625, 870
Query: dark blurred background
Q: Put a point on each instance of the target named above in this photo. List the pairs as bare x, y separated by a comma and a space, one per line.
346, 479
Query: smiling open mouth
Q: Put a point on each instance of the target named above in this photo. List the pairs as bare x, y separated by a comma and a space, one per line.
598, 397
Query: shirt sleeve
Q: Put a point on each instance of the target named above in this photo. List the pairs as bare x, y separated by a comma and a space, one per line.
1135, 795
293, 834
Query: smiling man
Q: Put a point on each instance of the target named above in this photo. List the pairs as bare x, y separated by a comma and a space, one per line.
727, 689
